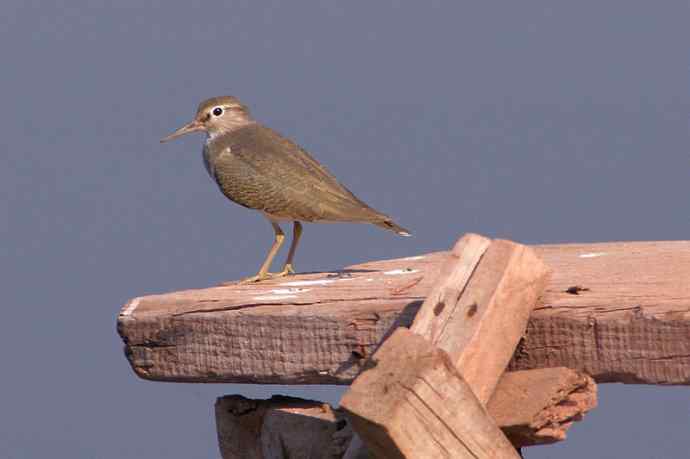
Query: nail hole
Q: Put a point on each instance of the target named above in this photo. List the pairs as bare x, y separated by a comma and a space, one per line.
438, 309
576, 289
472, 310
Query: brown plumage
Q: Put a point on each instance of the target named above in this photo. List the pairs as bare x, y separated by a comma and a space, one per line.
259, 169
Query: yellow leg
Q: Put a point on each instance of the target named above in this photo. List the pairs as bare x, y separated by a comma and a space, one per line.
296, 234
263, 271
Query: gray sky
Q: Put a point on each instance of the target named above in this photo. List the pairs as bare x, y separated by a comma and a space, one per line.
537, 121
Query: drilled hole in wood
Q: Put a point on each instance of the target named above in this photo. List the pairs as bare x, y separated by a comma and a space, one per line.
576, 289
438, 309
472, 310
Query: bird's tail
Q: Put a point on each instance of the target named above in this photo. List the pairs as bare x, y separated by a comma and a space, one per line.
391, 226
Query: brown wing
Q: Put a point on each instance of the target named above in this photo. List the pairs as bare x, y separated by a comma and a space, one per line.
268, 172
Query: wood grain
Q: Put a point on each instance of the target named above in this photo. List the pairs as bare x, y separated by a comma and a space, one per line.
617, 311
476, 312
535, 407
442, 303
479, 319
412, 402
550, 401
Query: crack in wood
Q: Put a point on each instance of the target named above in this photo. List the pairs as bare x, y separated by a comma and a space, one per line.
285, 304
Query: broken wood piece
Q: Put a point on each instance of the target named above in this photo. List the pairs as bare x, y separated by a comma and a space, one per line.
616, 311
282, 427
536, 407
412, 402
531, 407
478, 310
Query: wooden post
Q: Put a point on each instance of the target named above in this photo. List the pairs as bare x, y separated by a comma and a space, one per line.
477, 311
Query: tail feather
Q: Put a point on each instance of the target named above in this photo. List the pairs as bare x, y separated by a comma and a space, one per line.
392, 226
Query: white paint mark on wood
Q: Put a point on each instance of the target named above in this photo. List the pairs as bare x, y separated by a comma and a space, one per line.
397, 272
592, 254
309, 282
289, 291
273, 297
131, 307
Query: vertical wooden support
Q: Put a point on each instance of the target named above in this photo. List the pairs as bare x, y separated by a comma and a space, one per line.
425, 398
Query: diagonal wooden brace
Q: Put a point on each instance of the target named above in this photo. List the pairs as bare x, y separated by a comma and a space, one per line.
425, 397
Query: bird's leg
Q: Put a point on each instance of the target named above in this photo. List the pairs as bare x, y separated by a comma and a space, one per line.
296, 234
263, 271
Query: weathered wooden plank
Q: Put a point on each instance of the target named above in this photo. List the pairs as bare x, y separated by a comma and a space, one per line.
617, 311
412, 402
479, 319
441, 304
549, 401
476, 312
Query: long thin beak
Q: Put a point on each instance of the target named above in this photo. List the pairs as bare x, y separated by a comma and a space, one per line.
194, 126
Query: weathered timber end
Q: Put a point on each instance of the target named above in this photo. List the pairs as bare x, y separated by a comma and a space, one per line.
619, 312
550, 401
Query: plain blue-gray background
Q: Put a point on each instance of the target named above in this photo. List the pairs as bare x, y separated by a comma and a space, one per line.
538, 121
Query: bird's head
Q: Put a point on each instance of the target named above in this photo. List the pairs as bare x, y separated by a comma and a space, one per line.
216, 116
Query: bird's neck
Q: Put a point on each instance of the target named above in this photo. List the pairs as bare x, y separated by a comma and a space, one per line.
228, 128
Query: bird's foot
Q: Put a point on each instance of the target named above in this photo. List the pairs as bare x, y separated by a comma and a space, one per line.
287, 270
257, 278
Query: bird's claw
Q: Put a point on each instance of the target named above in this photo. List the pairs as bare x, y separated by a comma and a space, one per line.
287, 270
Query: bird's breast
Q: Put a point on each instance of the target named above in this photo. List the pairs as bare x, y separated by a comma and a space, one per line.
212, 155
206, 155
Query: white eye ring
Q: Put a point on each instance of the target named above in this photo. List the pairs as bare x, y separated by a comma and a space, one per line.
217, 111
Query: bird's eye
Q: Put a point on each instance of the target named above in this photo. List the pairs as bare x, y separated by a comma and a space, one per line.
217, 111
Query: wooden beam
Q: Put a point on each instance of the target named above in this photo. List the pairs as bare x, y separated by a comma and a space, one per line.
412, 402
478, 311
616, 311
531, 407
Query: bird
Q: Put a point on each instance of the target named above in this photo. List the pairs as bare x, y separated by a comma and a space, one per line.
258, 168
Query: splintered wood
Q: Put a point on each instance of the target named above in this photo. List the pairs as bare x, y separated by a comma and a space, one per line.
616, 311
531, 407
425, 397
536, 407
